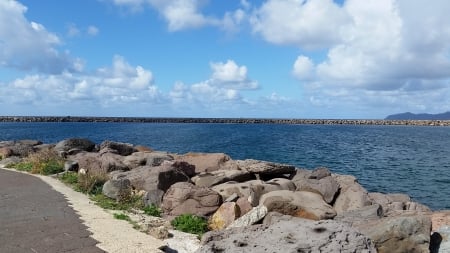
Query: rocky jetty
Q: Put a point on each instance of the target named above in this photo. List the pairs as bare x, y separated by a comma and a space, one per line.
435, 122
251, 205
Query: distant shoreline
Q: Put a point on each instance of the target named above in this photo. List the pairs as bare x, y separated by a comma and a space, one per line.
224, 120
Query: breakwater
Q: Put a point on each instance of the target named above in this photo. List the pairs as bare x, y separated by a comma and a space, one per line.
225, 120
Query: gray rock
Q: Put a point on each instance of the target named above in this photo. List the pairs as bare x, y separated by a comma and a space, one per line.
146, 158
118, 189
78, 143
71, 166
10, 161
320, 173
301, 204
326, 186
296, 235
263, 168
396, 203
184, 198
250, 218
208, 179
207, 162
119, 148
361, 215
352, 195
399, 234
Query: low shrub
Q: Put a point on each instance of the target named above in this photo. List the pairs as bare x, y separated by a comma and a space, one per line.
109, 203
45, 162
92, 182
22, 166
152, 210
70, 178
190, 223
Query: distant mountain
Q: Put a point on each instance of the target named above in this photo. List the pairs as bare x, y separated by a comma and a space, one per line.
420, 116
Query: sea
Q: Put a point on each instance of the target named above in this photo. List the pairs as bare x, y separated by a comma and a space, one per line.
390, 159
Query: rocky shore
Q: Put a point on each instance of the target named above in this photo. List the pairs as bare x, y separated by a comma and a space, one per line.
252, 205
226, 120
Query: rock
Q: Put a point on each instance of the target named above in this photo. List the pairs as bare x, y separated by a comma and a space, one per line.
10, 161
265, 169
399, 234
118, 189
78, 143
97, 162
352, 195
320, 183
154, 180
186, 198
5, 152
253, 216
146, 158
440, 238
320, 173
208, 179
244, 205
207, 162
119, 148
361, 215
71, 166
140, 148
296, 235
253, 188
21, 150
396, 203
224, 216
185, 167
232, 198
29, 142
301, 204
181, 242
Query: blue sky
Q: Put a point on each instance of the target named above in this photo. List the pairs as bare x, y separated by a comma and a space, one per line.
234, 58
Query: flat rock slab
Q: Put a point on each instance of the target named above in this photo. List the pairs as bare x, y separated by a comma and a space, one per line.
35, 218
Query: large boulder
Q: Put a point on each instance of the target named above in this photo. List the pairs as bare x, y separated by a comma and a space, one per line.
319, 181
361, 215
399, 234
224, 216
396, 203
154, 180
5, 152
265, 170
207, 162
352, 195
294, 235
118, 189
253, 216
301, 204
146, 158
208, 179
75, 143
186, 198
253, 189
440, 238
119, 148
99, 162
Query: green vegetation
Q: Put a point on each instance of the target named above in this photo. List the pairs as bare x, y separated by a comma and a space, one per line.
190, 224
45, 162
122, 216
70, 178
152, 210
108, 203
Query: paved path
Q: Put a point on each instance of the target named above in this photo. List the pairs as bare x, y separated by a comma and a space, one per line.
35, 218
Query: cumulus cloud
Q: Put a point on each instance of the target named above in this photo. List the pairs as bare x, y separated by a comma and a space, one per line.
109, 86
376, 50
224, 86
27, 45
305, 23
187, 14
92, 30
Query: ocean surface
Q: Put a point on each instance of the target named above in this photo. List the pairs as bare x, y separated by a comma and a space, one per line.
409, 159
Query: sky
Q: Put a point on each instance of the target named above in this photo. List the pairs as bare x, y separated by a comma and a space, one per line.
351, 59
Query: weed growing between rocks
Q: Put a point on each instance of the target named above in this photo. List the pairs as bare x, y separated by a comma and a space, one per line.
92, 182
122, 216
190, 223
111, 204
70, 178
152, 210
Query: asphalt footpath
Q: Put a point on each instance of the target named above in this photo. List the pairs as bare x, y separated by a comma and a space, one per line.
35, 218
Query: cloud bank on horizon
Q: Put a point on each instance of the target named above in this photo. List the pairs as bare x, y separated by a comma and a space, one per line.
198, 58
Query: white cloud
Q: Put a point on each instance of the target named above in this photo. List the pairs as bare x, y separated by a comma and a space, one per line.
28, 45
72, 30
303, 68
304, 23
187, 14
109, 86
92, 30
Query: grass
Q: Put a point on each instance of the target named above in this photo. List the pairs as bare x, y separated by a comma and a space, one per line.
92, 182
111, 204
190, 223
152, 210
70, 178
122, 216
44, 162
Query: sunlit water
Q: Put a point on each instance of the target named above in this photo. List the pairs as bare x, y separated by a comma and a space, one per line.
408, 159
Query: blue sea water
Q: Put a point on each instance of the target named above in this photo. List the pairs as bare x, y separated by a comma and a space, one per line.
409, 159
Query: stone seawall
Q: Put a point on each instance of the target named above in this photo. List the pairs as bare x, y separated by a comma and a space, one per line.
226, 120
